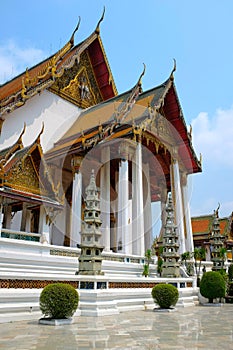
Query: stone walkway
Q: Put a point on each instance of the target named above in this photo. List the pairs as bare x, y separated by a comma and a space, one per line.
186, 328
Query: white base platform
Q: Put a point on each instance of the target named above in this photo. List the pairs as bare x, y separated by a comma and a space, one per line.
23, 262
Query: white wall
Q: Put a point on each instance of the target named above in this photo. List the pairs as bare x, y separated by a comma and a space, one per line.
56, 113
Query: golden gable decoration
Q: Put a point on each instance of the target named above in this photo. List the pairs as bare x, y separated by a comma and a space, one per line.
78, 84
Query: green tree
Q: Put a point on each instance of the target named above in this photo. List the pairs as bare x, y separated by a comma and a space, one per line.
159, 265
146, 267
212, 286
222, 255
199, 255
185, 256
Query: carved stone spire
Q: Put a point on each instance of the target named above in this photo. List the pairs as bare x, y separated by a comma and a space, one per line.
90, 260
217, 244
171, 266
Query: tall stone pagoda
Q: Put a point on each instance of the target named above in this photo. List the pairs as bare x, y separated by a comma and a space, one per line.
217, 241
90, 260
171, 266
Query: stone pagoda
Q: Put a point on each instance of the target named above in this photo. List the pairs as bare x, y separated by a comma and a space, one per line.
171, 266
217, 242
90, 260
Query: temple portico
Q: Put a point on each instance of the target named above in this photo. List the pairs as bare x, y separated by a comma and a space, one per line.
128, 187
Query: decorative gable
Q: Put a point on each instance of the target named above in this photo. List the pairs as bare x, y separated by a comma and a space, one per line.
23, 177
78, 84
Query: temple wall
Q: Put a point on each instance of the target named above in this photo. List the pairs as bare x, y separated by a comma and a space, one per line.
56, 113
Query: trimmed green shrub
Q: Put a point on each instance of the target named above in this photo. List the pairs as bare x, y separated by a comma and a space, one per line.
59, 300
165, 295
212, 286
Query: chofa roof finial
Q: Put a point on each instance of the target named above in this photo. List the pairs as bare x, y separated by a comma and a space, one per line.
19, 141
97, 29
216, 211
143, 72
76, 29
173, 70
41, 132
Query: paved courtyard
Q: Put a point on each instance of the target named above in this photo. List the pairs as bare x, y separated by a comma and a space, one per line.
187, 328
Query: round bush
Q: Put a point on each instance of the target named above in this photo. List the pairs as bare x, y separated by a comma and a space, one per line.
59, 300
165, 295
212, 286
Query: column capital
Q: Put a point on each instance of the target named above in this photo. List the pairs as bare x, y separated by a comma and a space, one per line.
183, 178
174, 155
75, 163
105, 154
124, 150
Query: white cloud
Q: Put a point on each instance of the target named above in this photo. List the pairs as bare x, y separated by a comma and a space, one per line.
212, 136
14, 59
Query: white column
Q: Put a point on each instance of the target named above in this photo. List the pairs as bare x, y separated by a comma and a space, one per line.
147, 207
177, 202
105, 197
23, 217
44, 226
28, 221
163, 201
76, 210
114, 205
123, 209
137, 203
187, 217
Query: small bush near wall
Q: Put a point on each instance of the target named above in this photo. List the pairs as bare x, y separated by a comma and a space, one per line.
59, 300
212, 286
165, 295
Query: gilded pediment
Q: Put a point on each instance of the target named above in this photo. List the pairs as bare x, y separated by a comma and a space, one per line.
78, 84
23, 177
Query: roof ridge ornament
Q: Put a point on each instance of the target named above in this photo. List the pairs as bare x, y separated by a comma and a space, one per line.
216, 212
123, 111
76, 29
19, 141
97, 29
40, 133
142, 74
173, 70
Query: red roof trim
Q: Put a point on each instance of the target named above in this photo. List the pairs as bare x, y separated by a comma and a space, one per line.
101, 69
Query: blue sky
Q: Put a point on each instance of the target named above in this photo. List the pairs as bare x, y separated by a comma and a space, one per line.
198, 34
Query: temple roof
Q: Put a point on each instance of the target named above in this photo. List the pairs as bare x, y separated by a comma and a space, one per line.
52, 72
24, 175
124, 114
202, 225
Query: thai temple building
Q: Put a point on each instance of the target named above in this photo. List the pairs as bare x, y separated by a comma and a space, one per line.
203, 228
61, 121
